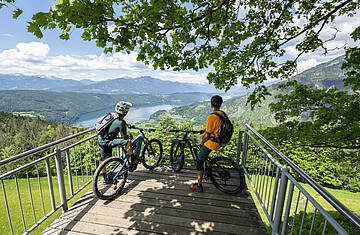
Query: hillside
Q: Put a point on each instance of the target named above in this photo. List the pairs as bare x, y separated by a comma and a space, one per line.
66, 107
325, 75
236, 109
18, 133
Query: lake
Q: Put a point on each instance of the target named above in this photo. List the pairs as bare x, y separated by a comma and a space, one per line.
136, 114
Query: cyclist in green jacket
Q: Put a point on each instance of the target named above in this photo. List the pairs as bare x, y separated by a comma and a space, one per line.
117, 135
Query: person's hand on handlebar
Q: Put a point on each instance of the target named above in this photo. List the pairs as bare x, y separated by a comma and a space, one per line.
129, 148
129, 136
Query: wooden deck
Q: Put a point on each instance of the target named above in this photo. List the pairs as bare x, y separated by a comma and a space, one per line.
160, 201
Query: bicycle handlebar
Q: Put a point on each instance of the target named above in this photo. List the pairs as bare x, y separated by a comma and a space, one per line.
195, 132
140, 129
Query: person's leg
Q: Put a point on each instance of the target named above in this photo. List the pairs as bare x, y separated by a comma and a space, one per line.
104, 154
201, 158
200, 175
137, 144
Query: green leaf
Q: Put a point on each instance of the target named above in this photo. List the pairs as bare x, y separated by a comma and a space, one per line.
16, 13
65, 36
34, 28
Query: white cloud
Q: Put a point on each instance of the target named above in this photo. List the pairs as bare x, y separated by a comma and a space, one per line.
7, 35
306, 64
342, 27
199, 78
34, 59
336, 36
37, 49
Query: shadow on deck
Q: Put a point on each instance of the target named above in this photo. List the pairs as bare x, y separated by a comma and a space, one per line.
159, 201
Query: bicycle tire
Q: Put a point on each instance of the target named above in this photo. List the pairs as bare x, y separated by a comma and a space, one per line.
108, 191
226, 175
152, 154
177, 155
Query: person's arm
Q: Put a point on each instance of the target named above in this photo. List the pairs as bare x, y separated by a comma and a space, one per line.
208, 130
124, 138
205, 138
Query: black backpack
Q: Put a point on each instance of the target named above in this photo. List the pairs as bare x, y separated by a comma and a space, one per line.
102, 126
226, 129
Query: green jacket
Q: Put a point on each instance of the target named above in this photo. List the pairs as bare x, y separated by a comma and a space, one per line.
118, 126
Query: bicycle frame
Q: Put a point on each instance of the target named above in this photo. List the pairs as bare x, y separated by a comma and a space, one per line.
191, 143
136, 142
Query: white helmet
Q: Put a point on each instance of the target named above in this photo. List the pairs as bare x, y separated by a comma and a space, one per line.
122, 107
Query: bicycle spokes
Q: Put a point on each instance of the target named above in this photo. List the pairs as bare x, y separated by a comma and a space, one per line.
109, 178
152, 154
222, 173
226, 175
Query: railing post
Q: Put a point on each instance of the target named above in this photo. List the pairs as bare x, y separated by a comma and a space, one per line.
51, 187
69, 172
239, 146
244, 150
61, 181
280, 201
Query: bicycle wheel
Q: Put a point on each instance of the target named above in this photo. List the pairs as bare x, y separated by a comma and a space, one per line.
226, 175
177, 155
152, 154
116, 176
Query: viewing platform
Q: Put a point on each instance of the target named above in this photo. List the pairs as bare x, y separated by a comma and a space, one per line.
160, 201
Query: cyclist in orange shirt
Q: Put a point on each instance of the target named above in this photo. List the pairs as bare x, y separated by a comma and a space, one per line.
208, 142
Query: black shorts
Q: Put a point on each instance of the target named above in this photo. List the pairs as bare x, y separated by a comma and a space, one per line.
105, 153
201, 158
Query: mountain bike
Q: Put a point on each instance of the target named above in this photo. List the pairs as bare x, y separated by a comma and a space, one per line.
109, 185
223, 172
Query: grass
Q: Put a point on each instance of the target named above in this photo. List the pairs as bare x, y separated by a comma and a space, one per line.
349, 199
39, 208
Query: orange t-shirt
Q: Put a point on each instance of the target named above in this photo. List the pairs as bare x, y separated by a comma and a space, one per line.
212, 126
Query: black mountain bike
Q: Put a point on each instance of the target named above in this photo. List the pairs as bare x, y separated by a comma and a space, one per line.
223, 172
117, 168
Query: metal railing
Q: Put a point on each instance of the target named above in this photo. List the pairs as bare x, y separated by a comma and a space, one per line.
275, 186
30, 192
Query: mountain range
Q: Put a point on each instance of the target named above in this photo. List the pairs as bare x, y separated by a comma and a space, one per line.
126, 85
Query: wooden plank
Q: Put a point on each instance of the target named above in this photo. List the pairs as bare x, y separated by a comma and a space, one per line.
54, 231
93, 228
189, 200
149, 219
209, 190
192, 211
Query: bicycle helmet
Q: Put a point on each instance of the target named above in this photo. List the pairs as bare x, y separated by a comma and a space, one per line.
216, 101
122, 107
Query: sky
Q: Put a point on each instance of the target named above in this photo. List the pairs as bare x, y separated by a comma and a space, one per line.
21, 52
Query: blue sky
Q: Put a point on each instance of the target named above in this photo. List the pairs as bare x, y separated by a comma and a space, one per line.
21, 52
